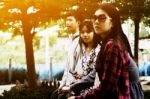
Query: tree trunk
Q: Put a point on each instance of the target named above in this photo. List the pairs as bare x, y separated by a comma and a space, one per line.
136, 42
31, 74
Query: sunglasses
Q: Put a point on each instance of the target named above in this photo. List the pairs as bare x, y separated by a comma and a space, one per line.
100, 18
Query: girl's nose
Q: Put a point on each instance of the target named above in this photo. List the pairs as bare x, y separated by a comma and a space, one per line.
85, 34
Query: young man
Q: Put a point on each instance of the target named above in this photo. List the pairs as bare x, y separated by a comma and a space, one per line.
72, 25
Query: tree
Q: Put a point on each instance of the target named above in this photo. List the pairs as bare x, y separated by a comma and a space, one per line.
84, 8
135, 9
147, 13
22, 17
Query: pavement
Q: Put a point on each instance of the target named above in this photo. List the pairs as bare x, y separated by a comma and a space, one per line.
6, 87
145, 82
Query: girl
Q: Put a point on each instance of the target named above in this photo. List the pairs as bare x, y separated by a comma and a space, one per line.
81, 75
114, 59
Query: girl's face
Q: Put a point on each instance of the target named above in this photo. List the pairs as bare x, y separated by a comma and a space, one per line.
86, 35
102, 23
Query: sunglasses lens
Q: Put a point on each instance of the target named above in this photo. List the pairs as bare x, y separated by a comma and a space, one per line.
100, 18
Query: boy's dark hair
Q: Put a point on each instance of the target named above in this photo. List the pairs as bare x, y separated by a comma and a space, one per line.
75, 14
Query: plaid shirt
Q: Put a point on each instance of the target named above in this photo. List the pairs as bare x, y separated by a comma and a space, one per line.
112, 67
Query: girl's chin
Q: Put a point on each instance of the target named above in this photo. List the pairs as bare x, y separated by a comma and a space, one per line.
98, 32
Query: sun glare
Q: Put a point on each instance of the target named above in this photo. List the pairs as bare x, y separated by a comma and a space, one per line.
32, 10
1, 4
14, 10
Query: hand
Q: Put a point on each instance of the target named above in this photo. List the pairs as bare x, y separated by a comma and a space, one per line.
72, 97
66, 89
78, 76
59, 90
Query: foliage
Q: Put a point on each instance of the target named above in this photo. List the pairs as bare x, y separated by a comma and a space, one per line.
82, 9
23, 17
36, 42
26, 93
147, 13
135, 9
52, 39
14, 49
62, 32
58, 53
17, 74
9, 49
147, 21
21, 91
44, 91
143, 31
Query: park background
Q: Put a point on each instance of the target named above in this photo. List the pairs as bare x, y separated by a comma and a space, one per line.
34, 40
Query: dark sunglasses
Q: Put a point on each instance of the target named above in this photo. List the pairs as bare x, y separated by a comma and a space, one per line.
101, 18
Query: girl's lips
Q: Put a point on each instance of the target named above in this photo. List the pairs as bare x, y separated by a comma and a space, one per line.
85, 38
96, 26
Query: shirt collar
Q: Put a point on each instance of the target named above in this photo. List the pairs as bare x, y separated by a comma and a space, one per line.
73, 36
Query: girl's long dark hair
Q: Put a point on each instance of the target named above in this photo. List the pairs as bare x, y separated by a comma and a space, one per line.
116, 32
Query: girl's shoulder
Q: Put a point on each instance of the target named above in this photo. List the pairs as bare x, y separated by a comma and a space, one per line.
113, 44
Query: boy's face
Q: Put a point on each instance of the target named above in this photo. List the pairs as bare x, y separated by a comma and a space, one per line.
71, 24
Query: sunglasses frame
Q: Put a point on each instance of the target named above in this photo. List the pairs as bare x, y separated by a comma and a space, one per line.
100, 18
